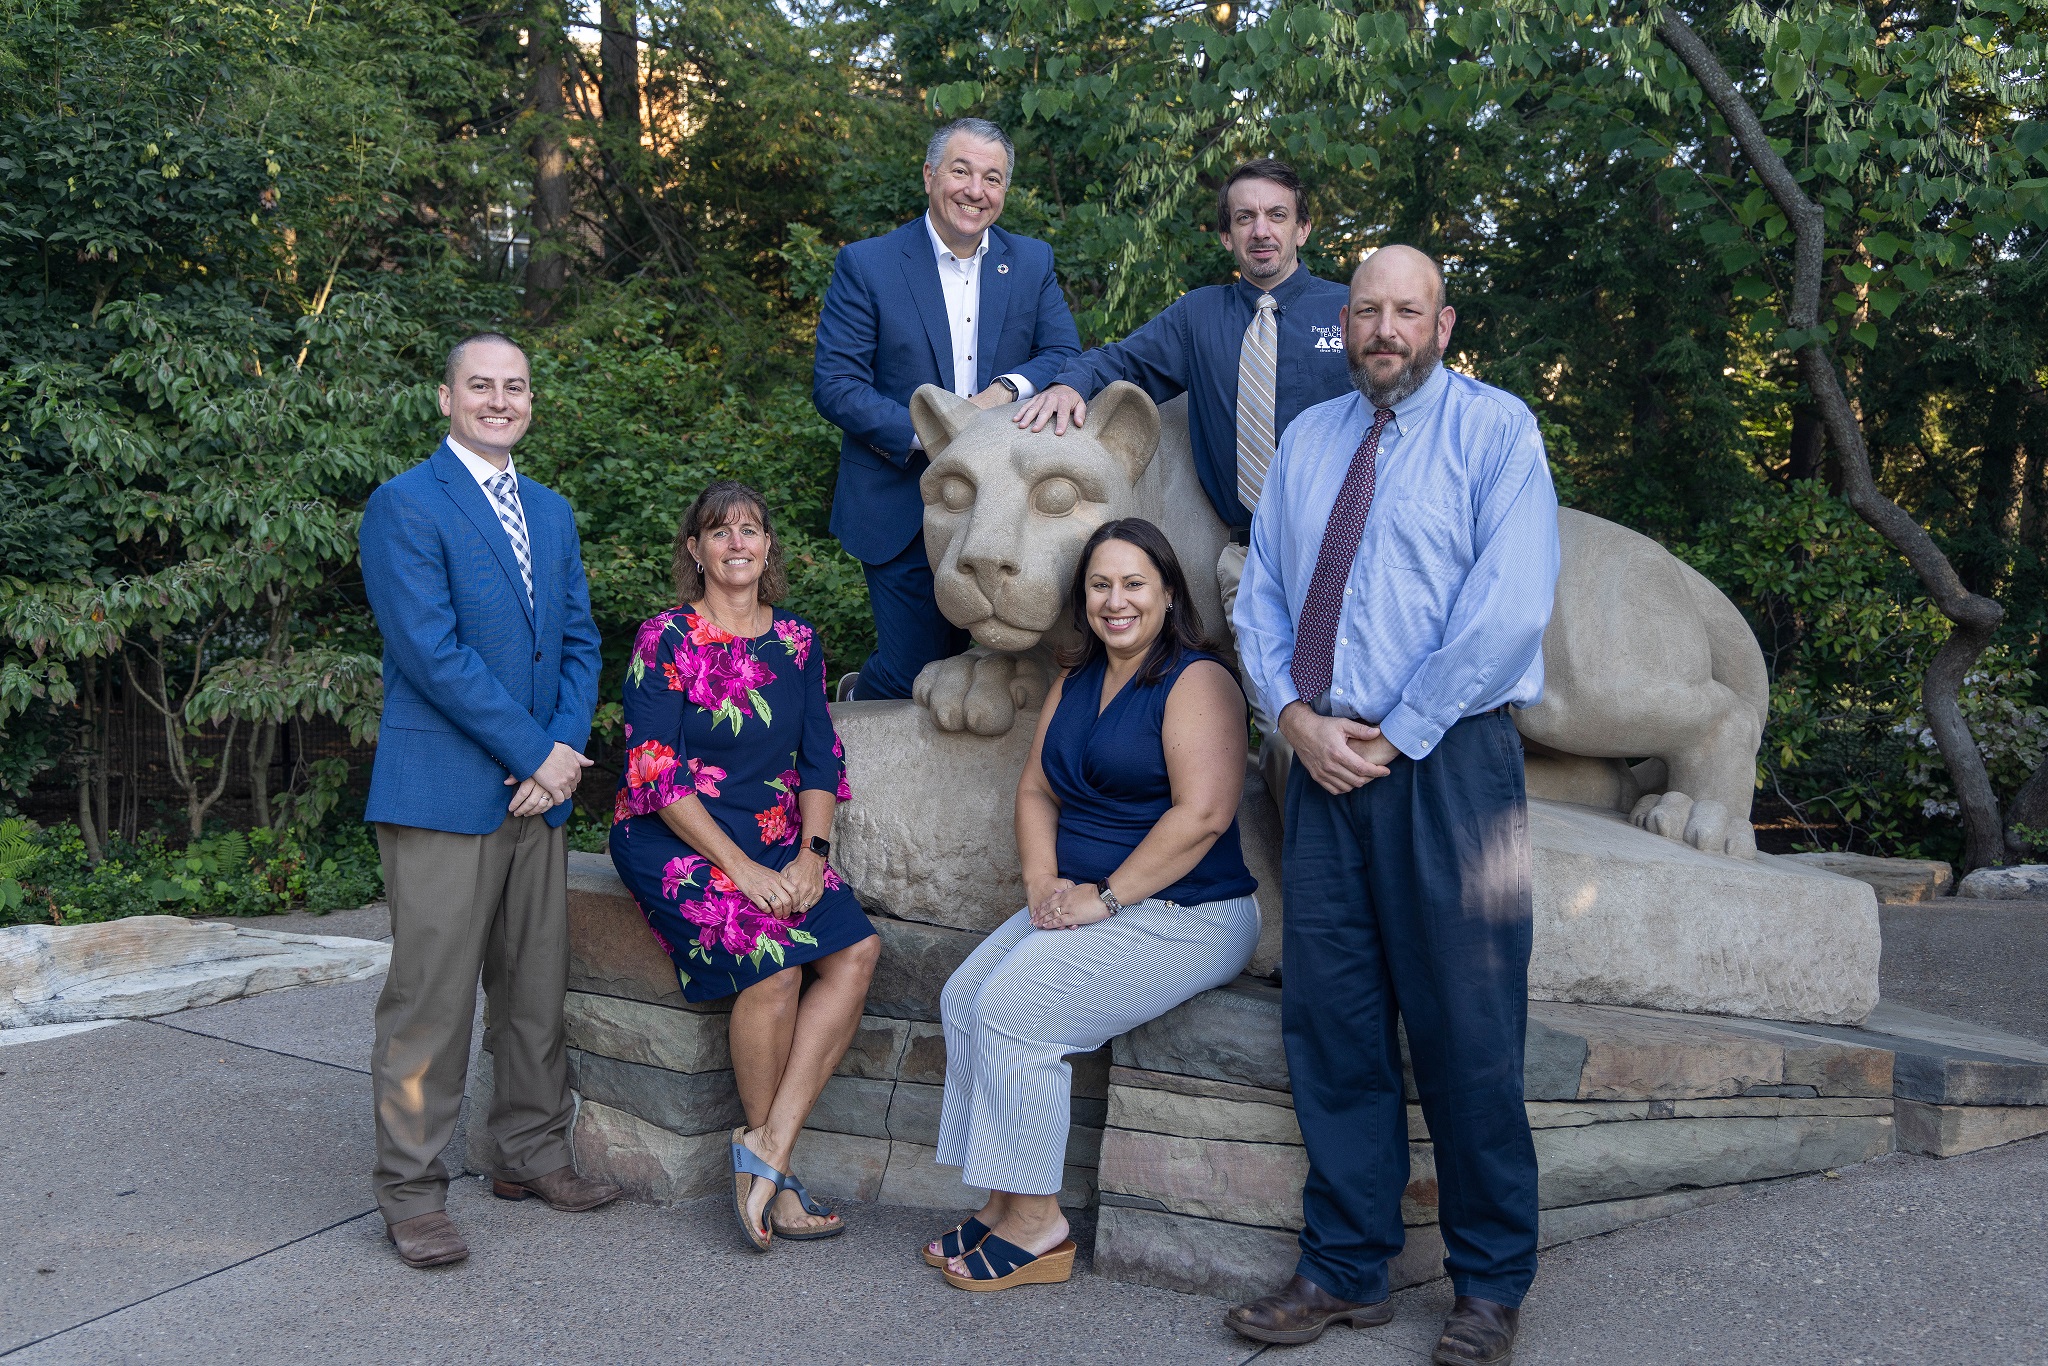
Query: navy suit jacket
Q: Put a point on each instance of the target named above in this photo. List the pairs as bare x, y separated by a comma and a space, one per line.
883, 331
479, 683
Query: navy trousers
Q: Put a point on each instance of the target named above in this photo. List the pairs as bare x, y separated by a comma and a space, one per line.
1411, 895
910, 631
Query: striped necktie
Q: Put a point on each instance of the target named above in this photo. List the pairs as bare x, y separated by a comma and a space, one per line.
1256, 365
1315, 639
504, 490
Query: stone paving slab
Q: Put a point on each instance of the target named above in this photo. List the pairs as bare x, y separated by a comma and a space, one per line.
1900, 1262
1971, 960
323, 1024
139, 1157
633, 1283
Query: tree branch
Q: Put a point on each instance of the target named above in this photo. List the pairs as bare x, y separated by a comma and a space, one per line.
1976, 617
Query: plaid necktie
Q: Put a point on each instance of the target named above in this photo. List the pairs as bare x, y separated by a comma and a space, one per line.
1315, 639
1256, 364
504, 490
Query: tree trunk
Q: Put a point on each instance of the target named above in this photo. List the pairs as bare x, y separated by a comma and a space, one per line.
547, 261
619, 78
262, 745
1975, 617
2029, 810
1809, 444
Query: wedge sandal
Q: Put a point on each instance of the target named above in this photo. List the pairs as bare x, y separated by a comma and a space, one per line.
998, 1264
957, 1241
813, 1206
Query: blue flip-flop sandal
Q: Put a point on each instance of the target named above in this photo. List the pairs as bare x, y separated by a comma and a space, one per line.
998, 1264
745, 1163
957, 1241
813, 1206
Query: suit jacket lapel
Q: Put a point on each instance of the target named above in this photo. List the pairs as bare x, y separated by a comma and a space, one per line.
921, 270
476, 505
995, 307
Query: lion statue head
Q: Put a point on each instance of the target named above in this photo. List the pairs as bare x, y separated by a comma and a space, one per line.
1006, 510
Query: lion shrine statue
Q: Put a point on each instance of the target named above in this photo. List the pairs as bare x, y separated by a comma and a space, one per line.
1641, 756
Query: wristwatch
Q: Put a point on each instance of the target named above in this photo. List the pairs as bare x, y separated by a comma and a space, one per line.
820, 846
1009, 384
1108, 899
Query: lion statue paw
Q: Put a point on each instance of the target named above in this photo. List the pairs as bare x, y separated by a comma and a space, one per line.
1705, 824
981, 691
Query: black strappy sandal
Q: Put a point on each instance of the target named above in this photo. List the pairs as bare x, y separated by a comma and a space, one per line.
998, 1264
957, 1241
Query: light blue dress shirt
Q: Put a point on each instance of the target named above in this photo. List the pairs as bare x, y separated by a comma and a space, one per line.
1447, 599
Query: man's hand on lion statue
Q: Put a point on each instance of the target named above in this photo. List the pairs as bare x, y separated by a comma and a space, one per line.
982, 690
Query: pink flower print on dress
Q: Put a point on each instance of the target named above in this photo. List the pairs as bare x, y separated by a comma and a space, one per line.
650, 781
705, 777
705, 631
680, 873
796, 638
780, 823
831, 879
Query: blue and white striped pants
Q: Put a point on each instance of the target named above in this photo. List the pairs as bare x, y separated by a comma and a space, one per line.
1026, 998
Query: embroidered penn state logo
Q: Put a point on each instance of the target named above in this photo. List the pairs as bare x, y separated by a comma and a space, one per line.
1328, 338
1002, 270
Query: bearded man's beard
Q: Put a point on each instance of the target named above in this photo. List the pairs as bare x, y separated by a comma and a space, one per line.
1421, 364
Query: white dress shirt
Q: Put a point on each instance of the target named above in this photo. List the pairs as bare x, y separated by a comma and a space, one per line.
480, 469
961, 280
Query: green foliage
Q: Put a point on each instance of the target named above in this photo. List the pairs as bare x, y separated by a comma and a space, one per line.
631, 428
229, 872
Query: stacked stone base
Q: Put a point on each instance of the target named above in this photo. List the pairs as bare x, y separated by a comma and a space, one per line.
1184, 1132
656, 1098
1637, 1114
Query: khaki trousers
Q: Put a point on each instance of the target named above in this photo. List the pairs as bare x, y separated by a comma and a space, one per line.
1276, 756
495, 904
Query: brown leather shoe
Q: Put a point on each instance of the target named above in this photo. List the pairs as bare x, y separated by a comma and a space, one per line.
561, 1189
1478, 1333
428, 1240
1300, 1311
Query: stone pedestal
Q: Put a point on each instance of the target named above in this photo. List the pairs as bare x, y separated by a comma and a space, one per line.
1623, 917
1184, 1130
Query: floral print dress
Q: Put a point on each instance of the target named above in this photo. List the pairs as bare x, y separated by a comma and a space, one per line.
742, 723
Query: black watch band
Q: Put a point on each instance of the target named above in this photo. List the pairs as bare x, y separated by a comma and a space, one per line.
820, 846
1009, 384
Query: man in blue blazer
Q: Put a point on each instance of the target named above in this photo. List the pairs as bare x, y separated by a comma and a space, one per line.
951, 300
490, 682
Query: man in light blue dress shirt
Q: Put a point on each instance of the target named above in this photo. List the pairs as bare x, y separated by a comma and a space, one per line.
1403, 559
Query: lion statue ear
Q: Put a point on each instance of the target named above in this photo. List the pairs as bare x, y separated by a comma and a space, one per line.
1125, 420
939, 415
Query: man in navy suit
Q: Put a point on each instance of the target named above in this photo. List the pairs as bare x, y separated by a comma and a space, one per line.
490, 681
952, 300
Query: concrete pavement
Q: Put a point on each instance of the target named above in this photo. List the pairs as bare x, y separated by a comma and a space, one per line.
195, 1189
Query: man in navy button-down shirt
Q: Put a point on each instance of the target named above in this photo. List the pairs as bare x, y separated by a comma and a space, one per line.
1406, 863
1197, 346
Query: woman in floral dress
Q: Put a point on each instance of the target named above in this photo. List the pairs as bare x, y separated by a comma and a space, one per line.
722, 829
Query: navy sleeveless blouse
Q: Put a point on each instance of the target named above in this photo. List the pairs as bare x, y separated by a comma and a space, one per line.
1109, 773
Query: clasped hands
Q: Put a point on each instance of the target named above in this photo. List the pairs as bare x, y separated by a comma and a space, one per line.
786, 894
553, 782
1058, 904
1339, 753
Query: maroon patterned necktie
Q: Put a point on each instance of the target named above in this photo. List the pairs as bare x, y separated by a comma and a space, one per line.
1315, 639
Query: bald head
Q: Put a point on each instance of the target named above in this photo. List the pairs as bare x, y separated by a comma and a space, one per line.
1396, 324
1403, 270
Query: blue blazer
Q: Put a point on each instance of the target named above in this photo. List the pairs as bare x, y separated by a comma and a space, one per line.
478, 683
883, 332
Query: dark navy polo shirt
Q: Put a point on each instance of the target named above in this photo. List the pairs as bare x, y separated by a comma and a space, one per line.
1193, 347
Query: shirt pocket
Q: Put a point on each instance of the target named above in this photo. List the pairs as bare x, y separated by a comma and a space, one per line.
1424, 535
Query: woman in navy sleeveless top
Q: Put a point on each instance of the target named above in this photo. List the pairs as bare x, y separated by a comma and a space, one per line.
1139, 897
